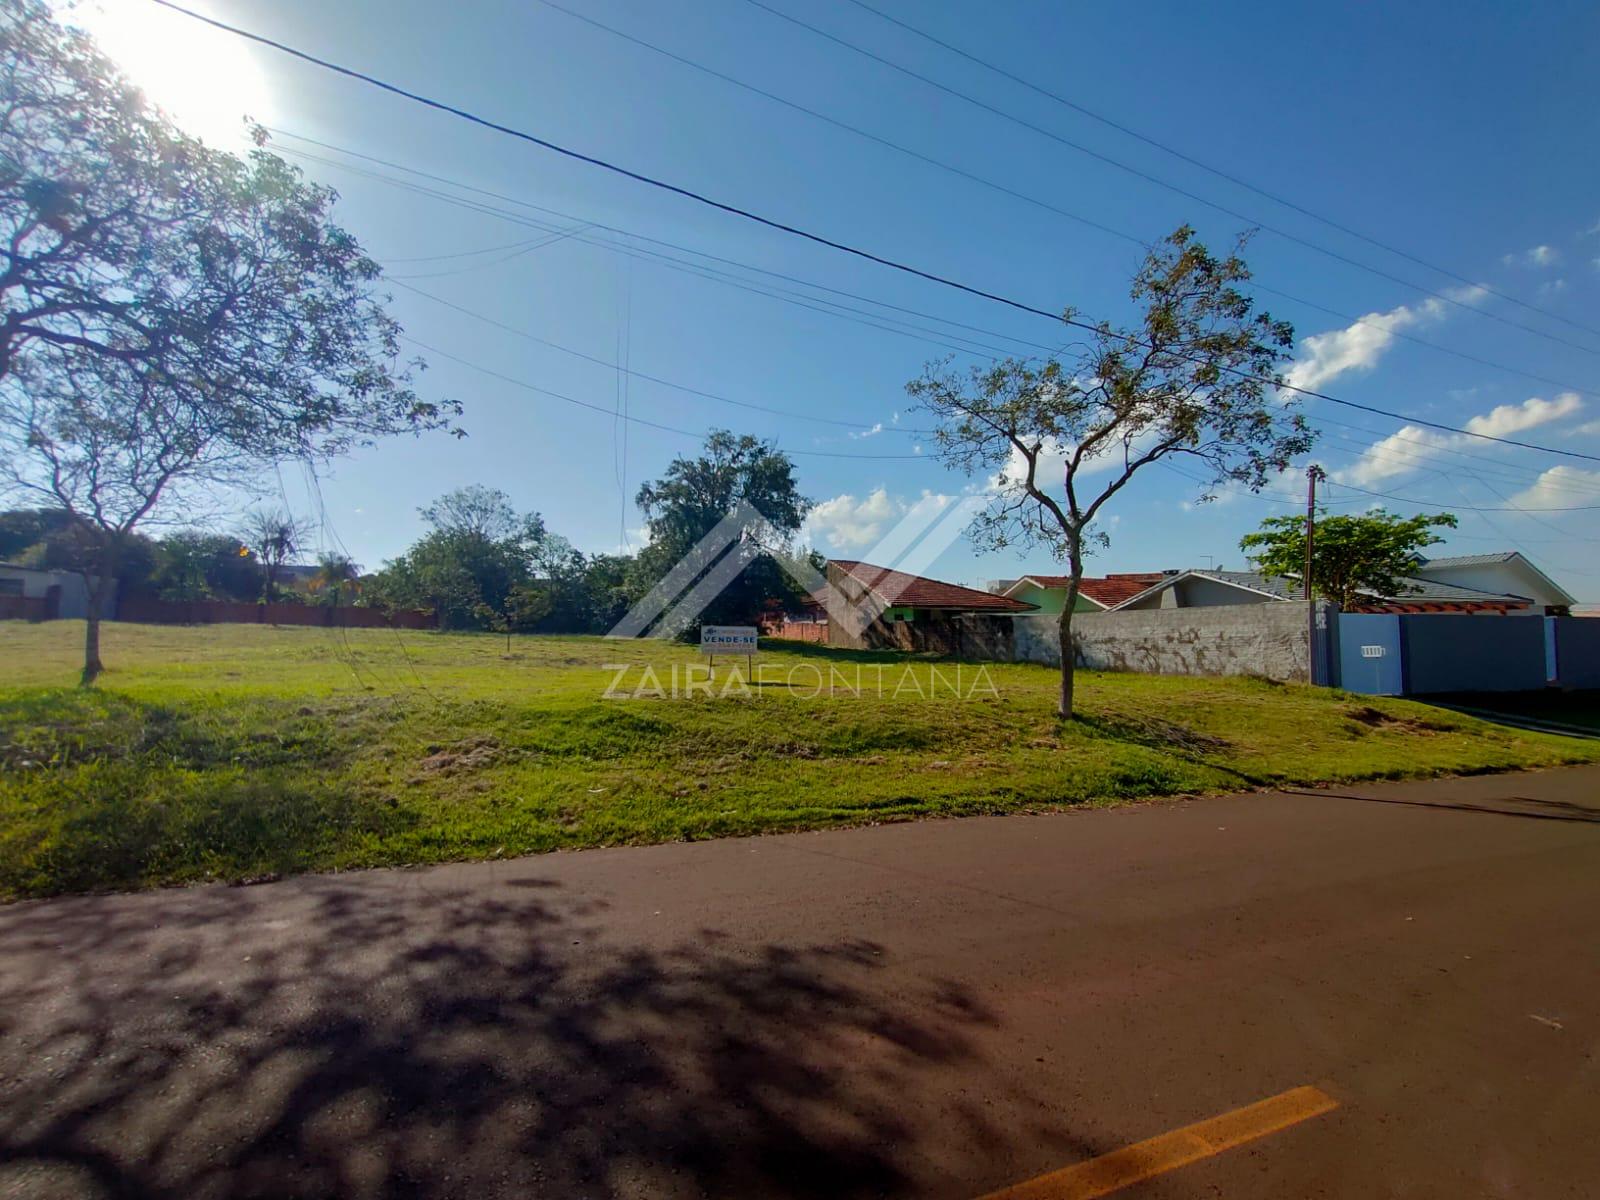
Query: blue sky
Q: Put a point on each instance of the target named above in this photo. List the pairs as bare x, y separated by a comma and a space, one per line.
1462, 135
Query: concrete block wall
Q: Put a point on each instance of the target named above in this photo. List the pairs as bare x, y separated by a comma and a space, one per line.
1245, 639
1577, 651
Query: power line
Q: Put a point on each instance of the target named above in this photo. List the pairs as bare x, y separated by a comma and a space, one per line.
1157, 180
1437, 448
1432, 447
615, 413
1467, 507
796, 231
527, 248
419, 258
1003, 189
1418, 462
625, 371
845, 125
779, 294
1217, 171
801, 300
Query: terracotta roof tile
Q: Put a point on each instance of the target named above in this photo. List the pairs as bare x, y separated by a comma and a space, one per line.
1106, 590
916, 591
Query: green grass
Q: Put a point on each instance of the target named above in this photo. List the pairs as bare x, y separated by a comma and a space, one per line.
234, 752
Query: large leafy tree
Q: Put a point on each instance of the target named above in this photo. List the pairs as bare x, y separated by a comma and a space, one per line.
195, 565
694, 494
1195, 380
468, 568
1353, 556
172, 318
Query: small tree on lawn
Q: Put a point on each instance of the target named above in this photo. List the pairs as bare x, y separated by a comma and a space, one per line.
1196, 380
524, 606
1353, 555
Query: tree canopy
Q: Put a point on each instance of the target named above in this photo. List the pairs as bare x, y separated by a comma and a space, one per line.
1354, 556
696, 493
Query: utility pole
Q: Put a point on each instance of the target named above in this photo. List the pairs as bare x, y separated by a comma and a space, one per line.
1313, 473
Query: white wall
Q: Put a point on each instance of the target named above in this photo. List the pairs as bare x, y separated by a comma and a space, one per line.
1510, 578
74, 592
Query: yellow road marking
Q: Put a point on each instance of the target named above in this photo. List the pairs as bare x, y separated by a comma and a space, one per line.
1158, 1155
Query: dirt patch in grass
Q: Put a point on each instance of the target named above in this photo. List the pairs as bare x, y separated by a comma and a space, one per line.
473, 754
1366, 717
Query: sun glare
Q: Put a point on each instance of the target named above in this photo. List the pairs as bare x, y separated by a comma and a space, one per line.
205, 79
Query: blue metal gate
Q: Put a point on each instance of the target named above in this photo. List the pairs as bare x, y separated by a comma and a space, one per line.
1370, 658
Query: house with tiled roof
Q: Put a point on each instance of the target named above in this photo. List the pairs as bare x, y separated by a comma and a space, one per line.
897, 608
1048, 593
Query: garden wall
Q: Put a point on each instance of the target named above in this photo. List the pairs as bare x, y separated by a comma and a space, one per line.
148, 611
1244, 639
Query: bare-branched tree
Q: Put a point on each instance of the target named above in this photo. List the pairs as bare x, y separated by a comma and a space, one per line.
1197, 380
274, 535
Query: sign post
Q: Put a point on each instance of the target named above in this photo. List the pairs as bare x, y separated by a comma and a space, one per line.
729, 639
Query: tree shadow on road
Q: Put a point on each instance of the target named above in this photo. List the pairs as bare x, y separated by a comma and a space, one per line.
324, 1038
1529, 807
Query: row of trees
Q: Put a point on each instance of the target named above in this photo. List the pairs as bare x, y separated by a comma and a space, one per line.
188, 564
484, 565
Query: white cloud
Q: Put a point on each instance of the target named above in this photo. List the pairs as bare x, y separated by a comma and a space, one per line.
1590, 428
1513, 418
1559, 487
1398, 454
848, 523
866, 433
1323, 357
1533, 257
1552, 287
1410, 448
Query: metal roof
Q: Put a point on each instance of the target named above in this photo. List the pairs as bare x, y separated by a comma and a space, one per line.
1419, 590
1469, 560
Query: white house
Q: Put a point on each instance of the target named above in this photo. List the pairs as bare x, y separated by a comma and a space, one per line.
1507, 571
1204, 589
68, 586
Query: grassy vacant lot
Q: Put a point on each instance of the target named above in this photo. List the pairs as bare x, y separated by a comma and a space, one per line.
230, 752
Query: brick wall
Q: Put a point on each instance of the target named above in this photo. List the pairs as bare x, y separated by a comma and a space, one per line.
149, 611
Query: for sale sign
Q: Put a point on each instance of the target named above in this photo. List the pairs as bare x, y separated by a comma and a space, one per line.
728, 639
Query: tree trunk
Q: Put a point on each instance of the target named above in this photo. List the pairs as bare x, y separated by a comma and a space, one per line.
92, 666
1068, 661
98, 587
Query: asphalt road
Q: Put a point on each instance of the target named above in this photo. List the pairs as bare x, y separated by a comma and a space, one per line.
933, 1009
